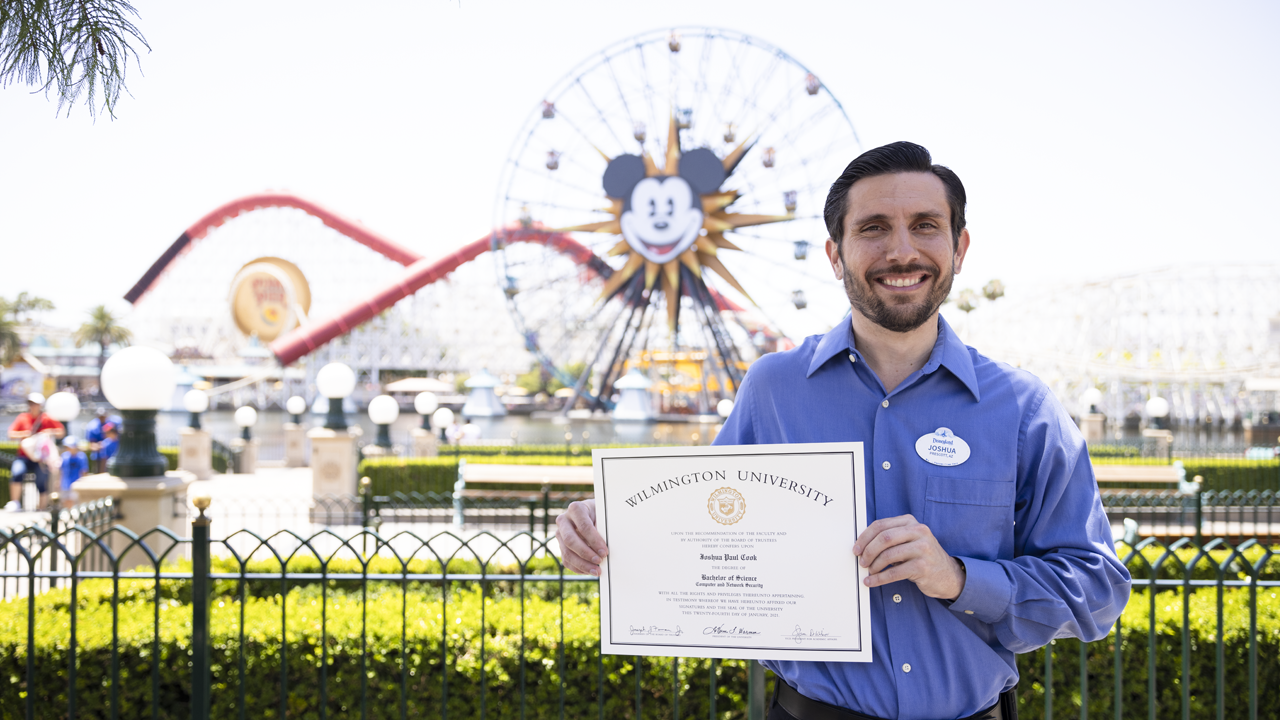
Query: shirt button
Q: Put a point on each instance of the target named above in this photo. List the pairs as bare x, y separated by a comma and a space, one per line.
886, 465
884, 404
897, 598
852, 359
968, 612
906, 667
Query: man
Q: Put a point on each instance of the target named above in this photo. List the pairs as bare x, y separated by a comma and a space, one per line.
968, 562
30, 424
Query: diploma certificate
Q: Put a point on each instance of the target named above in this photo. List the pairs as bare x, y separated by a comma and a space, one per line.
733, 552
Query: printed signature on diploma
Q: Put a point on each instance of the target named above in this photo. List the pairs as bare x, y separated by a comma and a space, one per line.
655, 630
799, 635
722, 630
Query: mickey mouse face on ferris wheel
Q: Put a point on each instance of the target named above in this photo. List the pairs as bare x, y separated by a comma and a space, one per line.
662, 215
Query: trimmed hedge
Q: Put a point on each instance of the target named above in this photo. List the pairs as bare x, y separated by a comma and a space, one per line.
1218, 473
438, 637
537, 450
438, 474
432, 626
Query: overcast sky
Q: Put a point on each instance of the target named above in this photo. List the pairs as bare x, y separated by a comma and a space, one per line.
1094, 138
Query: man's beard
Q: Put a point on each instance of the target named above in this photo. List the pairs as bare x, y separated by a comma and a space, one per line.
903, 317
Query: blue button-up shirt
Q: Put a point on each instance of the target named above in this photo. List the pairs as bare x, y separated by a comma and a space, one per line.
1022, 513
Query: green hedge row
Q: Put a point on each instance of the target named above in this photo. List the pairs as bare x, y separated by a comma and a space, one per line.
440, 637
438, 474
538, 450
170, 455
1218, 473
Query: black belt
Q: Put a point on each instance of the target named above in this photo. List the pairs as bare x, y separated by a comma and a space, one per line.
803, 708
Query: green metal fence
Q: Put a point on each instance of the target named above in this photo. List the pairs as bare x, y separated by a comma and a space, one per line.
373, 626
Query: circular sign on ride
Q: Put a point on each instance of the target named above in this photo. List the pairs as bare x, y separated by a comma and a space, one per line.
658, 210
269, 297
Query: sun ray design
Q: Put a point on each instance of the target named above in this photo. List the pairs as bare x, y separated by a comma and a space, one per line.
671, 216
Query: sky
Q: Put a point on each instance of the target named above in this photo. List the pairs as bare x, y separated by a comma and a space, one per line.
1094, 138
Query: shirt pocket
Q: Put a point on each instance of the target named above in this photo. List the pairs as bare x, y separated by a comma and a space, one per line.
971, 518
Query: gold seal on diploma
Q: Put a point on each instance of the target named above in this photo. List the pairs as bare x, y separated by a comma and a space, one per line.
727, 506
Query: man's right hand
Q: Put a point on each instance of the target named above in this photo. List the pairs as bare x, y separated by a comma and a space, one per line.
580, 544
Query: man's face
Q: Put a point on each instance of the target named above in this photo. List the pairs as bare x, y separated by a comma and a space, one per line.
897, 257
33, 408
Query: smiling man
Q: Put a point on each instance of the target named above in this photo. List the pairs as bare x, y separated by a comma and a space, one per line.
987, 536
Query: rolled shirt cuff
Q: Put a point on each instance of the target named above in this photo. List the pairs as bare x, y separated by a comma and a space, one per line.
986, 592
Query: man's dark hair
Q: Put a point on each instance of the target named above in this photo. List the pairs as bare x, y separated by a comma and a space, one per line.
898, 157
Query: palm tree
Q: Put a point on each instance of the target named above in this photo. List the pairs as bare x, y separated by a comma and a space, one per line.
104, 329
10, 344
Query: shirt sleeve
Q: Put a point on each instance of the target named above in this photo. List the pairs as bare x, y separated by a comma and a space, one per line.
1064, 579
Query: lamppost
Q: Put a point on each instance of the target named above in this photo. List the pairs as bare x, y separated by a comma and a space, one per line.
1090, 400
245, 446
334, 455
1158, 411
295, 406
424, 441
195, 453
1091, 421
63, 407
383, 410
294, 435
196, 402
335, 381
425, 404
442, 419
138, 381
246, 417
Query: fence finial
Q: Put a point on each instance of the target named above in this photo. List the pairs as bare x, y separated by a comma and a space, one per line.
201, 499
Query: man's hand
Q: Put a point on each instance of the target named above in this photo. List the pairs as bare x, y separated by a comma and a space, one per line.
580, 544
899, 548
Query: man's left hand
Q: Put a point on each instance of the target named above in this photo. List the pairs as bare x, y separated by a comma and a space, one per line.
900, 548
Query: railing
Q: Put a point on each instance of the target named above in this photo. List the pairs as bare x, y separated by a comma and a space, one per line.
1169, 515
94, 517
387, 514
376, 626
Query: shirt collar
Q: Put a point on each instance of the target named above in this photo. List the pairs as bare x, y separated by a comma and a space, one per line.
948, 352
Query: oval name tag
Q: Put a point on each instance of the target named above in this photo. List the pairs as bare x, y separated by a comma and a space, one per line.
942, 447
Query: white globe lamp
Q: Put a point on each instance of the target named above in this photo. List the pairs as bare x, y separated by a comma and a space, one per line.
383, 410
1090, 399
335, 381
425, 404
196, 402
295, 406
63, 407
724, 408
246, 417
1158, 411
138, 381
442, 419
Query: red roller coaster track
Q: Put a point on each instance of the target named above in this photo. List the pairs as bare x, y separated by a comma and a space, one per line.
419, 271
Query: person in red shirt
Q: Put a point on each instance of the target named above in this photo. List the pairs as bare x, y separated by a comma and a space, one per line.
30, 423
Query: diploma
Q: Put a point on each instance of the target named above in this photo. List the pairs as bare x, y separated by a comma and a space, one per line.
733, 552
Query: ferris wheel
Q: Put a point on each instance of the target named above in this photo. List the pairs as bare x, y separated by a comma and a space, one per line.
661, 210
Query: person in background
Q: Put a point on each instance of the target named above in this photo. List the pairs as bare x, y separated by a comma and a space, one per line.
30, 423
94, 435
74, 466
109, 446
